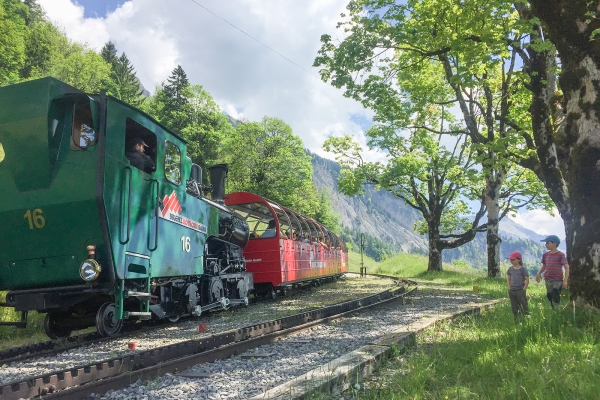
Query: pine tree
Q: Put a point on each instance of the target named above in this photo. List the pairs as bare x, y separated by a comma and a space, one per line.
122, 82
36, 12
123, 74
176, 89
175, 110
109, 53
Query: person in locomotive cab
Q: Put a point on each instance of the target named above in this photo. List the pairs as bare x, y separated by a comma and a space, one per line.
137, 158
270, 232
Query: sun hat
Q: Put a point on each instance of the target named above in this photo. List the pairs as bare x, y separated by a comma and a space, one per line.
551, 238
515, 255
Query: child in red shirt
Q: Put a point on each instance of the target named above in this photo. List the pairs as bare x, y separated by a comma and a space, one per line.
552, 264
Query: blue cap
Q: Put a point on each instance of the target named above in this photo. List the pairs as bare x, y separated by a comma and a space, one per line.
551, 238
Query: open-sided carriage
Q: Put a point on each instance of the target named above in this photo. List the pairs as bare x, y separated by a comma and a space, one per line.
285, 248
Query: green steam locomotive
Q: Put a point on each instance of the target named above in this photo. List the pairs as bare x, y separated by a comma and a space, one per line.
91, 236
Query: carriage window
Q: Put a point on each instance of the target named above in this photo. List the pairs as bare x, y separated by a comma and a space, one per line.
172, 163
258, 217
296, 232
284, 224
305, 237
83, 134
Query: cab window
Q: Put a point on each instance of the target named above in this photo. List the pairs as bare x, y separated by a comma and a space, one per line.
172, 163
83, 135
139, 139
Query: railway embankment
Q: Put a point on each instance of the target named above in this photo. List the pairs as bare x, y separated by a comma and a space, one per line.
262, 369
298, 301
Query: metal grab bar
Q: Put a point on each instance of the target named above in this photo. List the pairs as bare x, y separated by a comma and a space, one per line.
128, 191
156, 211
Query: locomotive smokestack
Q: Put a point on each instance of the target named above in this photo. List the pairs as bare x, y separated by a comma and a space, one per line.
218, 178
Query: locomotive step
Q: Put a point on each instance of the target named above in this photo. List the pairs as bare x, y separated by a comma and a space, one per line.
140, 314
136, 294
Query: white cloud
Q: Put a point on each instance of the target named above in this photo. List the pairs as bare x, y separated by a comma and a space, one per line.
240, 73
69, 16
541, 222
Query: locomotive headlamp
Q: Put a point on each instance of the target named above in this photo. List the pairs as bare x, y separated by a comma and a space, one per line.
89, 270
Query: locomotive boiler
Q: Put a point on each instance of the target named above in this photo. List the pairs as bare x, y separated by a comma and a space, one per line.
89, 238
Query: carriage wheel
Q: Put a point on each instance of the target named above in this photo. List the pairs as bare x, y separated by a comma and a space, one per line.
273, 294
285, 291
55, 327
107, 323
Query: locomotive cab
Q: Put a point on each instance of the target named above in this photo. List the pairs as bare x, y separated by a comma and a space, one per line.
103, 226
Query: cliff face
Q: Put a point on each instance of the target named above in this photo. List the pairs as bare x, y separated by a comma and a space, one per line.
376, 213
382, 215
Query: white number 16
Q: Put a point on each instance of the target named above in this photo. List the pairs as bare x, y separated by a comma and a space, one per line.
185, 244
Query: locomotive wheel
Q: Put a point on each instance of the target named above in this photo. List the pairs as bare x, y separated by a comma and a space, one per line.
174, 318
285, 291
54, 326
273, 294
106, 320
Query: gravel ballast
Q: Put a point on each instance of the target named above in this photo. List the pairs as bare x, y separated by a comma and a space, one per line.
244, 378
351, 287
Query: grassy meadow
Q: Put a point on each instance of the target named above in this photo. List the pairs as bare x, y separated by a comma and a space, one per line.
552, 355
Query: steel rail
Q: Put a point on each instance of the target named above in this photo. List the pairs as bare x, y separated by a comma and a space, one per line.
180, 364
122, 371
55, 346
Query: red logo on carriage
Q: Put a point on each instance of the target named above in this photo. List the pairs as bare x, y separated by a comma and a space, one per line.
171, 203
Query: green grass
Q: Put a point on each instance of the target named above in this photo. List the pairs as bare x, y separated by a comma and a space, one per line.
11, 336
414, 266
552, 355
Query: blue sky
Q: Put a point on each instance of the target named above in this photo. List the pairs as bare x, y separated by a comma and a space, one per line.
99, 8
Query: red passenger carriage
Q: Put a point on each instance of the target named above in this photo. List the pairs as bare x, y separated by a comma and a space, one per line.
285, 248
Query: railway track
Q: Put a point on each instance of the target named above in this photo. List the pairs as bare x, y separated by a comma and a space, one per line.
114, 373
53, 347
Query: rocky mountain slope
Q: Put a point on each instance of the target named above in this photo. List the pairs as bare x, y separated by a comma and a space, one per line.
379, 214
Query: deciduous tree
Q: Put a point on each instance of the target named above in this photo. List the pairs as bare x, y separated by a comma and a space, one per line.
81, 67
13, 32
268, 159
206, 129
426, 175
564, 141
44, 46
398, 58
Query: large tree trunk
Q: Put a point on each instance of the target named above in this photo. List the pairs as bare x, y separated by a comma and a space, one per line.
435, 253
582, 175
583, 226
570, 154
493, 240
